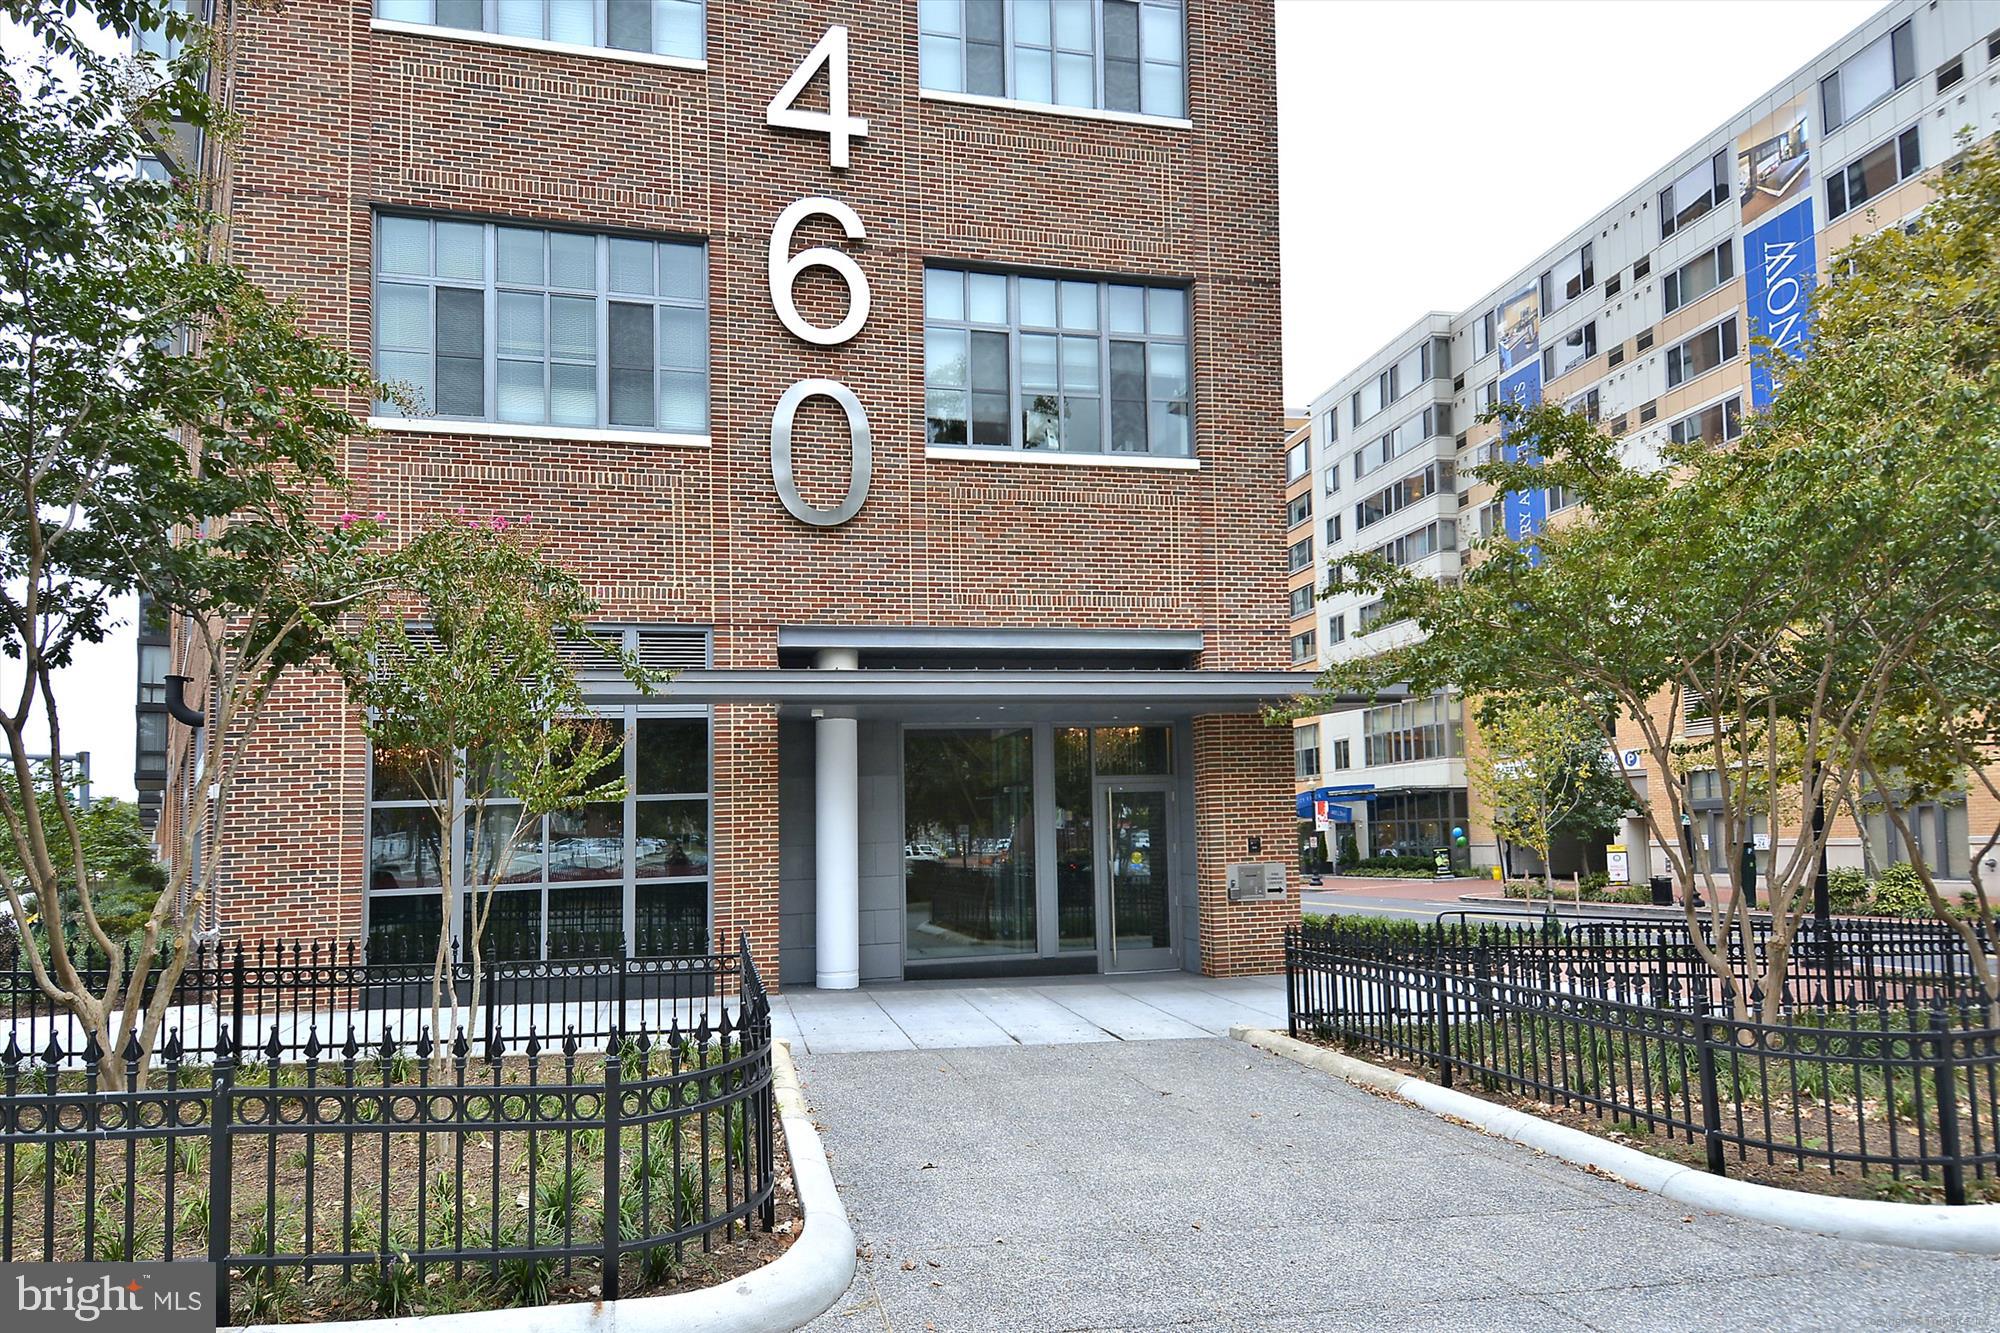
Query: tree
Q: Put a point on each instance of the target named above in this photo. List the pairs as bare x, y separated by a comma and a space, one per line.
1792, 611
125, 877
165, 428
472, 706
1544, 773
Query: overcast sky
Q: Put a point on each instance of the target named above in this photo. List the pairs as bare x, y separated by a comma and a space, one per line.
1393, 200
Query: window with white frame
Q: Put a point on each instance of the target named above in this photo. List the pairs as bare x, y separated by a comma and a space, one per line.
1112, 55
1298, 509
1332, 530
1868, 76
614, 877
1413, 730
1486, 395
1062, 365
1699, 189
1426, 541
1699, 276
1874, 173
1300, 556
1330, 477
1569, 351
1432, 421
1717, 423
1485, 329
484, 321
1305, 744
1421, 484
1298, 460
656, 27
1336, 628
1343, 755
1573, 275
1302, 600
1701, 353
1304, 646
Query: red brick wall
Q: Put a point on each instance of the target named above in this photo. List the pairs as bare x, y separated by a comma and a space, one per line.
340, 119
1242, 790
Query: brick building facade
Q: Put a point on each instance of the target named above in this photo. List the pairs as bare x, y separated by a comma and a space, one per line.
1003, 717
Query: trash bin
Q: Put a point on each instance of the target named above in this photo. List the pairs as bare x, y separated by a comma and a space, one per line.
1663, 891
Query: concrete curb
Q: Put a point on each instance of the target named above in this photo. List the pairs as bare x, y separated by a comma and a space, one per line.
1972, 1229
787, 1293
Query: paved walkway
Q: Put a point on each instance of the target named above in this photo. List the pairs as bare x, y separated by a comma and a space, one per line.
936, 1015
1202, 1184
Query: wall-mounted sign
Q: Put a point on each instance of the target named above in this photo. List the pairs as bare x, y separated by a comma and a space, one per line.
785, 267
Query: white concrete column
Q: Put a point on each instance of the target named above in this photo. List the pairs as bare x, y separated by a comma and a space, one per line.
837, 835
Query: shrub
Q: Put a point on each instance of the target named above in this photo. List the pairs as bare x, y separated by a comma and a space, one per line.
1595, 879
1900, 892
1847, 888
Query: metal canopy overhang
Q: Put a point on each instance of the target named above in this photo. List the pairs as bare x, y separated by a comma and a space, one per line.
1183, 692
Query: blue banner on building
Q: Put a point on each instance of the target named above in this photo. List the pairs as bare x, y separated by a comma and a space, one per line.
1523, 510
1778, 259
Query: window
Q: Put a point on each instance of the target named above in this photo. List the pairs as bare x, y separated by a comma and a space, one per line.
1298, 460
1644, 341
1424, 482
1371, 617
1570, 351
151, 743
1305, 751
1701, 353
1413, 730
1585, 405
1343, 755
1699, 276
968, 848
1647, 411
1697, 191
1486, 395
487, 322
1874, 173
1484, 333
1336, 629
1615, 357
1572, 276
1304, 647
1300, 556
1330, 478
1950, 72
1716, 423
1432, 421
1302, 600
1613, 285
1868, 76
1492, 521
661, 27
1020, 362
152, 673
1560, 497
572, 876
1419, 545
1333, 530
1941, 829
1641, 267
1114, 55
1298, 509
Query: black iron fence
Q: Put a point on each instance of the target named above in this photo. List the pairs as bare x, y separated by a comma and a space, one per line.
369, 1175
1633, 1030
288, 990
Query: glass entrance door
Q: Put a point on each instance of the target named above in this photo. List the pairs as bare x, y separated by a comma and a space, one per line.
1136, 876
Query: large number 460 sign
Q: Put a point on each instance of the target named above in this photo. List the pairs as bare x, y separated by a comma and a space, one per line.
785, 268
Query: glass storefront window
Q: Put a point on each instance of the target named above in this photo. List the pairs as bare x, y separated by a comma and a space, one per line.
570, 875
1076, 858
1134, 751
968, 849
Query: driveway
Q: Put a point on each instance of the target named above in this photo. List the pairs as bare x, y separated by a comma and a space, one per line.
1201, 1184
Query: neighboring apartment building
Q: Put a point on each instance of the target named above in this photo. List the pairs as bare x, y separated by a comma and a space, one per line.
902, 375
1641, 319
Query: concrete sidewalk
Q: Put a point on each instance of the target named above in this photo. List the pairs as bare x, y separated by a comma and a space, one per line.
1053, 1011
1203, 1184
